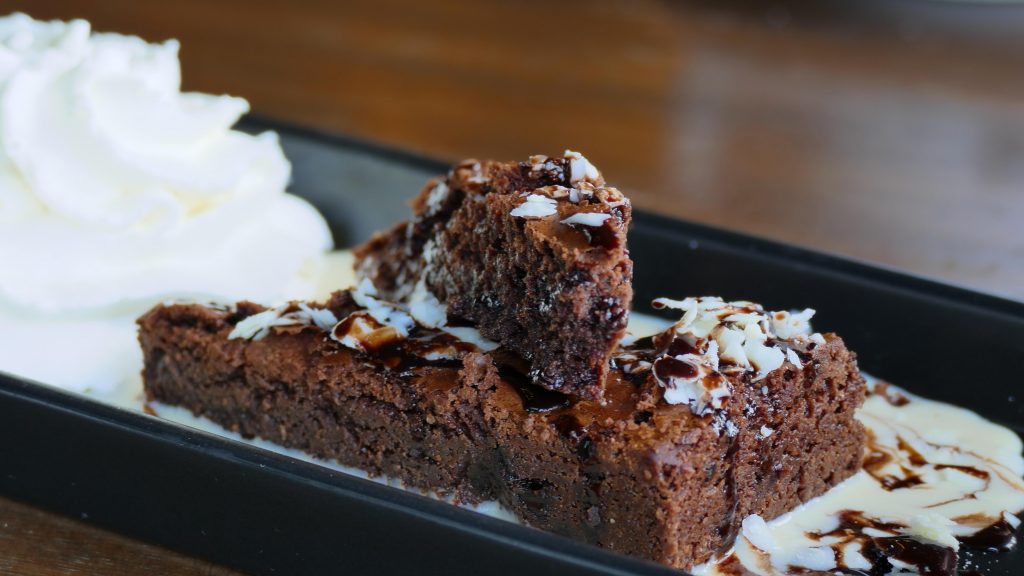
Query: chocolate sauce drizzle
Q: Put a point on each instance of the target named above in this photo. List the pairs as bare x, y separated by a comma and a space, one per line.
668, 367
421, 348
890, 395
999, 536
879, 457
732, 566
886, 545
929, 559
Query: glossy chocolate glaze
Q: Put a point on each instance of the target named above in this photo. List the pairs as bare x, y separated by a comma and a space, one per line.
999, 536
670, 367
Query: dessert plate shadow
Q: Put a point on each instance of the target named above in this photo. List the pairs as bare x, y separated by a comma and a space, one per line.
265, 513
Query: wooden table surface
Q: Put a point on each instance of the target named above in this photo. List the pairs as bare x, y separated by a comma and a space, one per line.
891, 131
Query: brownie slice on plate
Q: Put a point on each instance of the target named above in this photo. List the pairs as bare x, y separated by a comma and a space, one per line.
731, 411
531, 253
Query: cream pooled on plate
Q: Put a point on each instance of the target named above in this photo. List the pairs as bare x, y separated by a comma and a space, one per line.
118, 191
935, 475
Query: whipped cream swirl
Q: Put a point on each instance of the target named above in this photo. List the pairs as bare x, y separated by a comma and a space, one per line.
118, 190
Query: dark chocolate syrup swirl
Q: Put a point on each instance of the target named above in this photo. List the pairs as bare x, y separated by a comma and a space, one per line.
891, 396
929, 559
969, 470
660, 354
879, 457
634, 360
422, 348
913, 456
678, 347
733, 567
999, 536
884, 545
668, 367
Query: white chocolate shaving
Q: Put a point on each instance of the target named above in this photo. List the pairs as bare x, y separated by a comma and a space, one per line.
321, 317
472, 336
587, 219
580, 169
358, 329
535, 206
792, 324
383, 312
256, 326
477, 175
729, 337
425, 307
436, 198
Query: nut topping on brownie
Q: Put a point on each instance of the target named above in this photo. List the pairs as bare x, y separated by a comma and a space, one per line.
527, 253
713, 339
259, 325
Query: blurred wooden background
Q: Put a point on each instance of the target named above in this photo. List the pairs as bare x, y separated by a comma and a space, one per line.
892, 132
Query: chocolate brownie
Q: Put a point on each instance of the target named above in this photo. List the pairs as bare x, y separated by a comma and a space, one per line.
531, 253
729, 412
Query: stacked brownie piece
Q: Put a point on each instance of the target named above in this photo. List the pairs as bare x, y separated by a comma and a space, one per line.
482, 357
533, 254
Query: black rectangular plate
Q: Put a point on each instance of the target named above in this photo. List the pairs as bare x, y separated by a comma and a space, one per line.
264, 513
